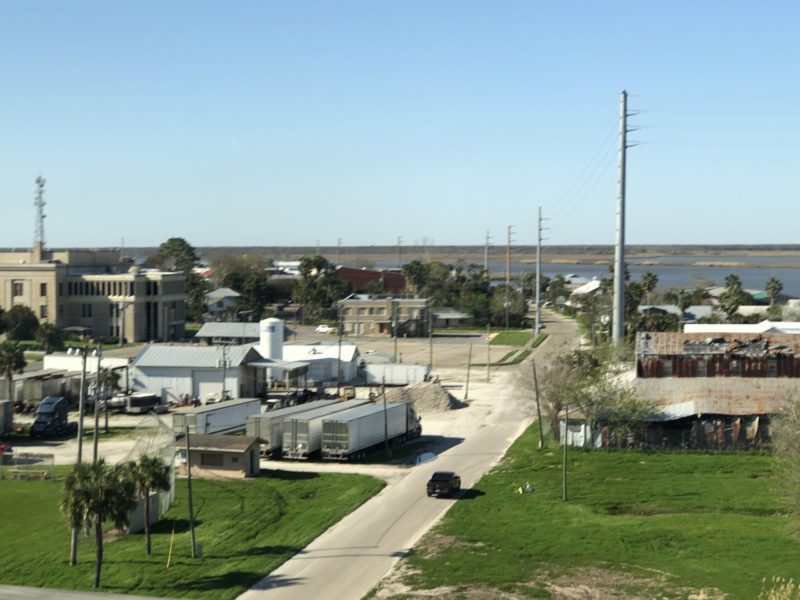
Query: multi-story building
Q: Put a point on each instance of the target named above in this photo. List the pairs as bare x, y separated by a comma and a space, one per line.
365, 314
96, 292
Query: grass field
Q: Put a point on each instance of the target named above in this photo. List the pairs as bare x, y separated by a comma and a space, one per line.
511, 338
246, 529
652, 524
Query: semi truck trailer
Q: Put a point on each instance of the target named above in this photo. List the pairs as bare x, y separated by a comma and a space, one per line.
348, 435
228, 416
268, 426
302, 434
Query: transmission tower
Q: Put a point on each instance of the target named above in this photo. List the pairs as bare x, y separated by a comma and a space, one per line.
39, 204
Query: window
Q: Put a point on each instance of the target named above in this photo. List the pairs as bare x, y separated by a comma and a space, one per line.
667, 367
60, 289
701, 368
16, 287
43, 311
736, 368
234, 459
210, 460
43, 289
772, 367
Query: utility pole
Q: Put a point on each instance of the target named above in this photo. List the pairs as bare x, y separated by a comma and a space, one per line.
488, 354
618, 324
394, 326
507, 301
538, 324
564, 441
469, 365
189, 484
538, 405
385, 419
339, 359
73, 546
430, 334
399, 242
99, 354
486, 255
224, 370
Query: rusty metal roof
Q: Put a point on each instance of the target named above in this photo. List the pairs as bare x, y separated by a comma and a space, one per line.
684, 344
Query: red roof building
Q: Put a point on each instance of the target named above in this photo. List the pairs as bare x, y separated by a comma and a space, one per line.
359, 278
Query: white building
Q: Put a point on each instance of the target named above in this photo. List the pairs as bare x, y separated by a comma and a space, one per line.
248, 370
221, 300
323, 360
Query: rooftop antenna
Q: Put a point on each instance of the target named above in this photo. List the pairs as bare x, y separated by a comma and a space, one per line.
39, 204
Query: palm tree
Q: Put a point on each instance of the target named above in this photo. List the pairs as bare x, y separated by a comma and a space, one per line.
773, 288
49, 337
94, 492
109, 385
12, 360
149, 474
649, 282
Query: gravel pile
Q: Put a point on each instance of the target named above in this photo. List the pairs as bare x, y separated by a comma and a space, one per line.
425, 397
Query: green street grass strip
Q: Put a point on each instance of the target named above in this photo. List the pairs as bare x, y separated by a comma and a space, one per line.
246, 529
659, 523
511, 338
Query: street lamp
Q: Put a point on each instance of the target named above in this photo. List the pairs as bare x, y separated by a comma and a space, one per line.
81, 396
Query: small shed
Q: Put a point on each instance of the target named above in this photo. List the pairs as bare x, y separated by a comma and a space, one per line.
220, 456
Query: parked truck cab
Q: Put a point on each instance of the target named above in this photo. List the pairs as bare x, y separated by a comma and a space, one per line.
51, 418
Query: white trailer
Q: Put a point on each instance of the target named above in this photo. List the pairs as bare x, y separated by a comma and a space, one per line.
395, 373
268, 426
302, 434
228, 416
348, 434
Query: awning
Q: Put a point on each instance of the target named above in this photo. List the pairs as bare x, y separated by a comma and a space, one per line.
281, 365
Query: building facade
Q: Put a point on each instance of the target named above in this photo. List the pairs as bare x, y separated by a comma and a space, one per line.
95, 292
364, 314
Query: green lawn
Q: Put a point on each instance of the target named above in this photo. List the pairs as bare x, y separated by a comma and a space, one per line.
511, 338
677, 520
246, 529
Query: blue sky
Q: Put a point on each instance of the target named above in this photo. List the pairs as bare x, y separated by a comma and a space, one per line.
266, 123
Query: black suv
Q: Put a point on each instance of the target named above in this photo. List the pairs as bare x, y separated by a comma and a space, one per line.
444, 483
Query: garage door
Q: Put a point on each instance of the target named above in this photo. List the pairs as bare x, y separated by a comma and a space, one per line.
206, 384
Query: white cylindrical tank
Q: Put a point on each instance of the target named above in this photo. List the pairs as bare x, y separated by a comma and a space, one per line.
271, 338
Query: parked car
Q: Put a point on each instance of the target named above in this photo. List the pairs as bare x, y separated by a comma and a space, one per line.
444, 483
323, 328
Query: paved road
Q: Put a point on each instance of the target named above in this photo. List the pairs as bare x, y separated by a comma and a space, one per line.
348, 560
15, 592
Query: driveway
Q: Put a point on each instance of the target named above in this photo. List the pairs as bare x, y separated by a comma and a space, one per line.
349, 559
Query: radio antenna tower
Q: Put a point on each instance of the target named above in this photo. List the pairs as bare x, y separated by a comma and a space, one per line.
39, 204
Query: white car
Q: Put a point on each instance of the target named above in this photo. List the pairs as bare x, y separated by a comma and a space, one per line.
324, 328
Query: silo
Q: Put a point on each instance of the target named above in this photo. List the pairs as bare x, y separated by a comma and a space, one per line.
271, 338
